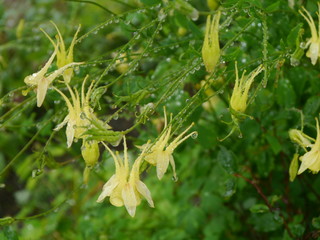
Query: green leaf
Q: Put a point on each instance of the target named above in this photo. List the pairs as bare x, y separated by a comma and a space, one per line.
273, 7
294, 35
231, 54
96, 95
286, 96
274, 143
316, 222
10, 233
312, 105
226, 159
265, 222
229, 187
150, 2
259, 208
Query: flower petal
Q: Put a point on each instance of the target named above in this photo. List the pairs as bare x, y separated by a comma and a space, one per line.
173, 165
144, 191
60, 125
314, 52
41, 91
129, 199
70, 133
108, 187
162, 164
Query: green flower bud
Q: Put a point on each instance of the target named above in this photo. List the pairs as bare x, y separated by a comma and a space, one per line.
213, 4
90, 152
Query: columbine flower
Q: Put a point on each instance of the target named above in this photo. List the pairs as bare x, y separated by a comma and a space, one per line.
160, 153
314, 41
239, 97
42, 82
211, 48
124, 187
80, 113
300, 138
64, 57
311, 159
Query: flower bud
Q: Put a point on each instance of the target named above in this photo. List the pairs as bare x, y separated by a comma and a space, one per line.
293, 169
240, 94
90, 152
300, 138
213, 4
211, 48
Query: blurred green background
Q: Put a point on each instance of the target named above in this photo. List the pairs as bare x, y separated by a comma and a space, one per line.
235, 189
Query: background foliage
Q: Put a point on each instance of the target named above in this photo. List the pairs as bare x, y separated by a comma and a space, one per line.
149, 51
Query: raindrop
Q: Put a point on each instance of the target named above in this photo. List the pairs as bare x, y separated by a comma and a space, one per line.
174, 178
115, 116
303, 45
82, 115
194, 135
294, 62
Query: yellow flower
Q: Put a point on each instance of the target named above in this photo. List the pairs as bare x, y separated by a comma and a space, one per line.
314, 41
42, 82
64, 57
300, 138
124, 187
239, 97
211, 48
80, 113
161, 152
311, 159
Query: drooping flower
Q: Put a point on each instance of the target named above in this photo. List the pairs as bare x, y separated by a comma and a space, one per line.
314, 42
211, 47
311, 159
239, 97
161, 152
300, 138
80, 113
125, 187
64, 57
41, 81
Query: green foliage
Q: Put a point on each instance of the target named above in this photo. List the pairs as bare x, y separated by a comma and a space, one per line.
142, 55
